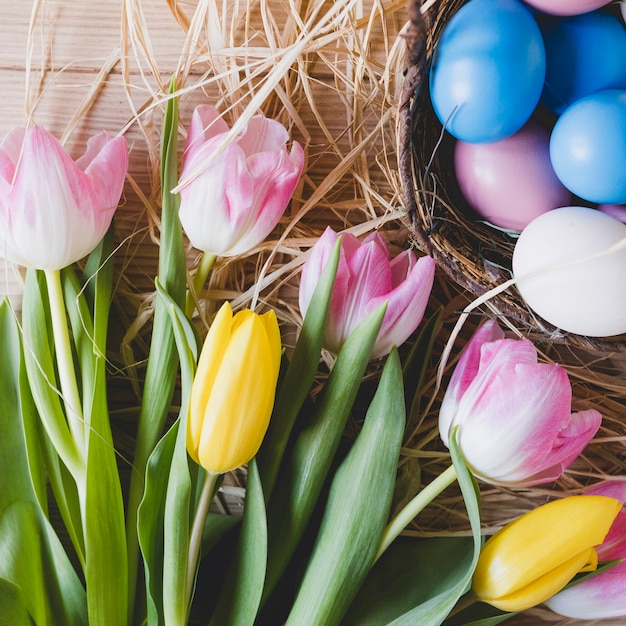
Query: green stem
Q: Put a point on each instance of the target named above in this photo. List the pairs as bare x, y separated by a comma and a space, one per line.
464, 603
197, 529
65, 360
414, 507
199, 278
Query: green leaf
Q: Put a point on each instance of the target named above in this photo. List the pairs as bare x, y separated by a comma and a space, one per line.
357, 509
305, 469
12, 606
434, 610
241, 595
181, 482
38, 356
296, 384
31, 556
410, 573
105, 537
150, 522
162, 367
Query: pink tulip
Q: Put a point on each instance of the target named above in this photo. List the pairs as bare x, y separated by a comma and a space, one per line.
514, 414
232, 201
604, 595
366, 277
53, 210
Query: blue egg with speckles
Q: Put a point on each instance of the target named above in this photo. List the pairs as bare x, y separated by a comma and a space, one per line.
488, 70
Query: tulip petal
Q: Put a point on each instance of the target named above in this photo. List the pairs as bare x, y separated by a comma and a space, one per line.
540, 590
556, 531
464, 373
53, 213
407, 304
241, 400
600, 597
213, 349
263, 135
206, 123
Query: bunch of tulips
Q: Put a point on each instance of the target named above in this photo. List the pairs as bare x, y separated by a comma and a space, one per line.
317, 540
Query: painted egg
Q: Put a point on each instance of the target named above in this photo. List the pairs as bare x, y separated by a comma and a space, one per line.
618, 211
488, 70
588, 147
510, 182
584, 54
559, 279
567, 7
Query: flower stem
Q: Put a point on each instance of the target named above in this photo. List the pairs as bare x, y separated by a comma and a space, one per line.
199, 278
414, 507
195, 540
65, 360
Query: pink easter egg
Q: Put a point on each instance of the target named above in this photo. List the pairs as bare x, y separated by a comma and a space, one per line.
510, 182
567, 7
618, 211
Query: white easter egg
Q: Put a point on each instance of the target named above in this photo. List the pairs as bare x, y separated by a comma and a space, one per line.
561, 283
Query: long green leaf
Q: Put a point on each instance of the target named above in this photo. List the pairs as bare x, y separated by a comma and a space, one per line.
357, 509
38, 354
297, 381
12, 606
434, 610
306, 467
162, 368
31, 556
241, 594
150, 523
181, 482
408, 574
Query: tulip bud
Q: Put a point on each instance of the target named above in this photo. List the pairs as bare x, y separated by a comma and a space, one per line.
367, 277
231, 202
536, 555
54, 211
515, 425
232, 394
602, 596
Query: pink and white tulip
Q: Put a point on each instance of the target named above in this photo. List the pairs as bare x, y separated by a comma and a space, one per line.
53, 210
514, 414
366, 277
231, 201
604, 595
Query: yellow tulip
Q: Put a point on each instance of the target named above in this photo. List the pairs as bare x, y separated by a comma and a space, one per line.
536, 555
232, 395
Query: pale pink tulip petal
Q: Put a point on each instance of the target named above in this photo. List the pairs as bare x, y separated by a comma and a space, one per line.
513, 414
233, 195
407, 304
206, 124
263, 135
52, 212
600, 597
314, 266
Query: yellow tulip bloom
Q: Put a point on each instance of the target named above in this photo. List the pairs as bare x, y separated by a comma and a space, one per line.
536, 555
232, 395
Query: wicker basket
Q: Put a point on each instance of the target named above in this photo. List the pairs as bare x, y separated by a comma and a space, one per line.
474, 254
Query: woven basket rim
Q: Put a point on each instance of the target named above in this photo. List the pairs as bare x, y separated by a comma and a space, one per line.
461, 262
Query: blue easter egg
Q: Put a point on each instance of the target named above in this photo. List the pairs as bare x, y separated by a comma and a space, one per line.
488, 70
584, 54
588, 147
